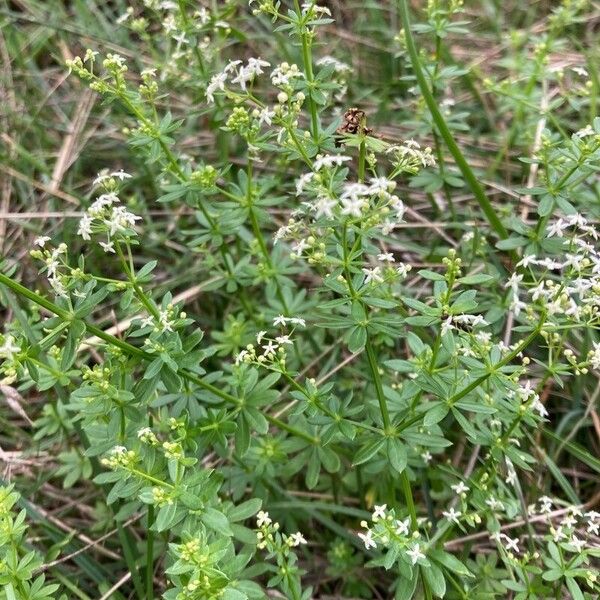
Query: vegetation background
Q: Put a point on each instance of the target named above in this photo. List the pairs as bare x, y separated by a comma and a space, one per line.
509, 78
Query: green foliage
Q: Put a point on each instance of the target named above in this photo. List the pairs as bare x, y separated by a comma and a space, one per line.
285, 348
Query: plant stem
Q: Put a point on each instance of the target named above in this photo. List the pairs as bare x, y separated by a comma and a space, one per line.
444, 130
139, 353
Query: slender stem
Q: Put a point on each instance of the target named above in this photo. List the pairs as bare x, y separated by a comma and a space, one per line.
150, 555
305, 35
362, 155
385, 416
444, 130
137, 352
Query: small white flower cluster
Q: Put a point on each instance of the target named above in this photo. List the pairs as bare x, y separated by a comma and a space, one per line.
270, 350
120, 457
106, 215
410, 158
238, 72
165, 321
389, 531
472, 321
574, 293
147, 436
53, 261
269, 538
574, 522
8, 348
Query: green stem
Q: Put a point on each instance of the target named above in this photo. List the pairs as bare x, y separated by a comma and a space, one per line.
362, 155
150, 555
385, 416
444, 130
137, 352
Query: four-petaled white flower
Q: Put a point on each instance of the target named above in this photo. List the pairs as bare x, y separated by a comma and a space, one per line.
367, 539
262, 518
373, 275
297, 539
452, 515
41, 240
415, 554
379, 511
460, 488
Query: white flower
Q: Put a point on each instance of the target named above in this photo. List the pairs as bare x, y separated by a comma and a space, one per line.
302, 181
415, 554
248, 72
259, 336
108, 246
329, 160
381, 184
217, 82
578, 544
283, 340
539, 407
509, 544
297, 539
513, 282
41, 241
527, 260
595, 356
270, 349
379, 511
300, 246
582, 71
85, 227
403, 269
324, 207
546, 506
447, 326
280, 320
460, 488
373, 275
494, 504
585, 132
298, 321
386, 257
426, 456
262, 518
9, 348
100, 178
120, 174
121, 219
568, 521
452, 515
367, 538
401, 527
352, 206
556, 228
265, 116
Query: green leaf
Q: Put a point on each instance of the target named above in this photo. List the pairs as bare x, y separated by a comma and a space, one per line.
358, 339
368, 451
216, 520
475, 279
436, 414
245, 510
165, 517
397, 455
435, 578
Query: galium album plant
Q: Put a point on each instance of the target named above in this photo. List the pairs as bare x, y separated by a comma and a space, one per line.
323, 324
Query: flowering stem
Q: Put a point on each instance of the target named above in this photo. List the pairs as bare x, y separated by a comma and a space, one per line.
150, 554
139, 353
444, 130
385, 416
362, 155
307, 59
